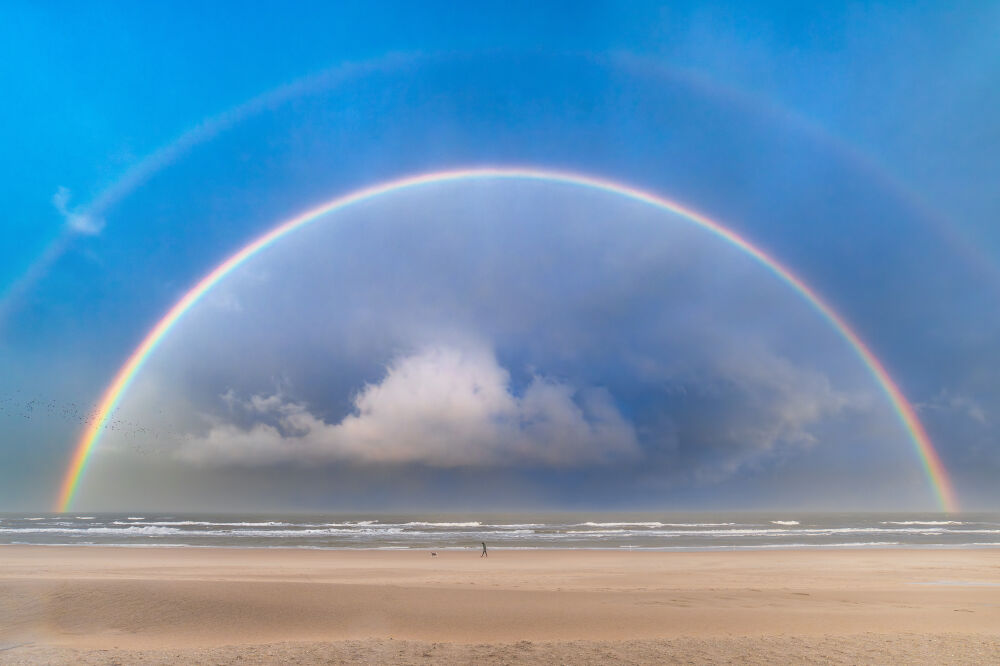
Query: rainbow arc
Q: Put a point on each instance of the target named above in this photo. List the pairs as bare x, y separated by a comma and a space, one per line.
933, 467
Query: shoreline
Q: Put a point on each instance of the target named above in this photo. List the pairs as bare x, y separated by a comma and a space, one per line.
860, 547
510, 532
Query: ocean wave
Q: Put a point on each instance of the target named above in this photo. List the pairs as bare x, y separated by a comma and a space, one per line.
440, 531
650, 524
697, 524
590, 524
204, 523
513, 531
517, 526
157, 530
299, 533
114, 531
780, 531
423, 524
983, 531
592, 532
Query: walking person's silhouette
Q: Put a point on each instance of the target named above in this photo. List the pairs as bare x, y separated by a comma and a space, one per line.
484, 554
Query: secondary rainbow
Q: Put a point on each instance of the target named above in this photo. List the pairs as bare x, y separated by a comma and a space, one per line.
933, 467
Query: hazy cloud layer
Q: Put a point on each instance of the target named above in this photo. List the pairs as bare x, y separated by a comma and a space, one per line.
754, 405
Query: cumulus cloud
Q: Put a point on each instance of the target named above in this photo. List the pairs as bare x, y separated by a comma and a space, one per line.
442, 406
78, 221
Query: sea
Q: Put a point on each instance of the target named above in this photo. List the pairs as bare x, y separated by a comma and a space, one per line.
522, 531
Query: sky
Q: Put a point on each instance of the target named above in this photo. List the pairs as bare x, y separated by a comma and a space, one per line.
499, 344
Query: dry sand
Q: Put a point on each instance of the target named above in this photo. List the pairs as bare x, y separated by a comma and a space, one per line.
207, 605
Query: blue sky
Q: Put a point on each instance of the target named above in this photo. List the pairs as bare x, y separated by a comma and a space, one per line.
855, 143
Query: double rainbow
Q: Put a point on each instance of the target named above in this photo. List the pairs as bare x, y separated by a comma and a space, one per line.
930, 460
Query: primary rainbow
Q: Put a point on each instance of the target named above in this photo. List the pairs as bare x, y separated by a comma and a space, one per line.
933, 467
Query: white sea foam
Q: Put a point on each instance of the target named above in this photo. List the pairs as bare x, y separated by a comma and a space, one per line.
973, 531
516, 526
591, 524
922, 522
697, 524
115, 531
651, 524
781, 531
784, 522
181, 523
423, 524
298, 533
594, 532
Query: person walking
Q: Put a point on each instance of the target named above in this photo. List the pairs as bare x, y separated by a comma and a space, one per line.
484, 554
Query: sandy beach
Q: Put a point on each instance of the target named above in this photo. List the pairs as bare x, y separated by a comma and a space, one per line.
214, 605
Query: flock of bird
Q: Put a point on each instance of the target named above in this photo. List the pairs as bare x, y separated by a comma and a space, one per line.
21, 406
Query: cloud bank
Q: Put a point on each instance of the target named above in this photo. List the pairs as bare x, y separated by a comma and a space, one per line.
441, 406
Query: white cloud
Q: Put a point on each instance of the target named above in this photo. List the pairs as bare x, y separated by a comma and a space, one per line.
442, 406
75, 219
